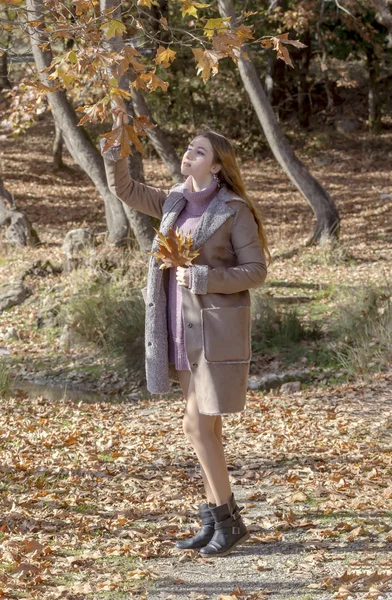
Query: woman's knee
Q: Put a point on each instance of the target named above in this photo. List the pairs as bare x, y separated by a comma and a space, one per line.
196, 430
187, 427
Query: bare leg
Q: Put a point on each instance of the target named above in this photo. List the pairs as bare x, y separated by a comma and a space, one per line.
185, 377
204, 432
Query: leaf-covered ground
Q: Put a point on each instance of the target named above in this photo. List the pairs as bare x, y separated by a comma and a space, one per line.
93, 496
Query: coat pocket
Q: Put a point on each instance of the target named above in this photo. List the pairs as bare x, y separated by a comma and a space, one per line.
226, 334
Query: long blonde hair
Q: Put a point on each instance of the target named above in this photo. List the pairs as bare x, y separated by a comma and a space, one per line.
230, 175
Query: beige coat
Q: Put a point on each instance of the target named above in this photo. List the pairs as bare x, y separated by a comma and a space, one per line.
216, 310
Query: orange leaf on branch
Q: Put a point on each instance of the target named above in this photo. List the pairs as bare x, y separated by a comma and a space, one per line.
174, 250
207, 61
149, 81
244, 32
189, 7
125, 135
165, 56
277, 43
94, 113
147, 3
226, 43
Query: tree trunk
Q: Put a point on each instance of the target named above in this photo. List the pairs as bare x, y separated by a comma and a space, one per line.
78, 144
384, 16
323, 59
274, 81
158, 138
320, 201
4, 81
6, 196
141, 225
57, 147
374, 120
159, 10
303, 84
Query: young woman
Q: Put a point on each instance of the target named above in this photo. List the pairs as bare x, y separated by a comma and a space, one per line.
198, 318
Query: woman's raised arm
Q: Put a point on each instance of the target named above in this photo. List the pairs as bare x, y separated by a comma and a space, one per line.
144, 198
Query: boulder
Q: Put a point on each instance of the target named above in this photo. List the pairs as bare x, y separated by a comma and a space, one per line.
18, 229
290, 387
276, 380
48, 317
347, 125
75, 242
40, 268
11, 334
12, 294
69, 339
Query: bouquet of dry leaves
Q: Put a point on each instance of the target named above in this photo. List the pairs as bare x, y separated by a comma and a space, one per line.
174, 250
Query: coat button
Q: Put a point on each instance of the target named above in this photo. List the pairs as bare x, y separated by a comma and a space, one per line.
190, 325
151, 304
149, 343
194, 364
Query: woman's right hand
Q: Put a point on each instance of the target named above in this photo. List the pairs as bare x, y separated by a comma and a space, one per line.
120, 116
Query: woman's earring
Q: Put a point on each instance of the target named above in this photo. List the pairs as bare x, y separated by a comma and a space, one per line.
216, 177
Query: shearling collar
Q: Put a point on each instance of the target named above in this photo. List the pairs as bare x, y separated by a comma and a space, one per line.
217, 212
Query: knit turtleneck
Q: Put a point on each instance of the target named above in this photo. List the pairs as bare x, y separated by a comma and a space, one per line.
197, 202
187, 222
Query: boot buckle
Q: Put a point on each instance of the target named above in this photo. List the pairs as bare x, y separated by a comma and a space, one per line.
235, 530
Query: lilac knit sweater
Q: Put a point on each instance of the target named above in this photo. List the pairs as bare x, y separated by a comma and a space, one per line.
187, 221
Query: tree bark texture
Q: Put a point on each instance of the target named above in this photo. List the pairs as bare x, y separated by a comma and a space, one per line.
4, 81
374, 109
274, 81
384, 16
57, 147
304, 108
141, 225
158, 138
323, 206
78, 144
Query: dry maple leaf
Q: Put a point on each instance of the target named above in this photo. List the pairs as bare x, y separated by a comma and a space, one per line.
174, 250
207, 62
277, 43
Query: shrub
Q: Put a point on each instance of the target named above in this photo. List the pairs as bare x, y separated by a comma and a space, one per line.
362, 332
112, 319
5, 381
273, 327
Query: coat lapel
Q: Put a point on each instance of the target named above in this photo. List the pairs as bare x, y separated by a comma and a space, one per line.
218, 211
174, 204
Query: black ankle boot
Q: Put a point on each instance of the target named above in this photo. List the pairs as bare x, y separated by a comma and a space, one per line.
206, 532
230, 530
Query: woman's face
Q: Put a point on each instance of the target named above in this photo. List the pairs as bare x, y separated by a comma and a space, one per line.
198, 159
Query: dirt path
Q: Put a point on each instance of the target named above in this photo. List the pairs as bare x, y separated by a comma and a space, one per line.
305, 537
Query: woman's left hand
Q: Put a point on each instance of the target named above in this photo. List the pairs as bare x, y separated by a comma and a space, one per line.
182, 275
